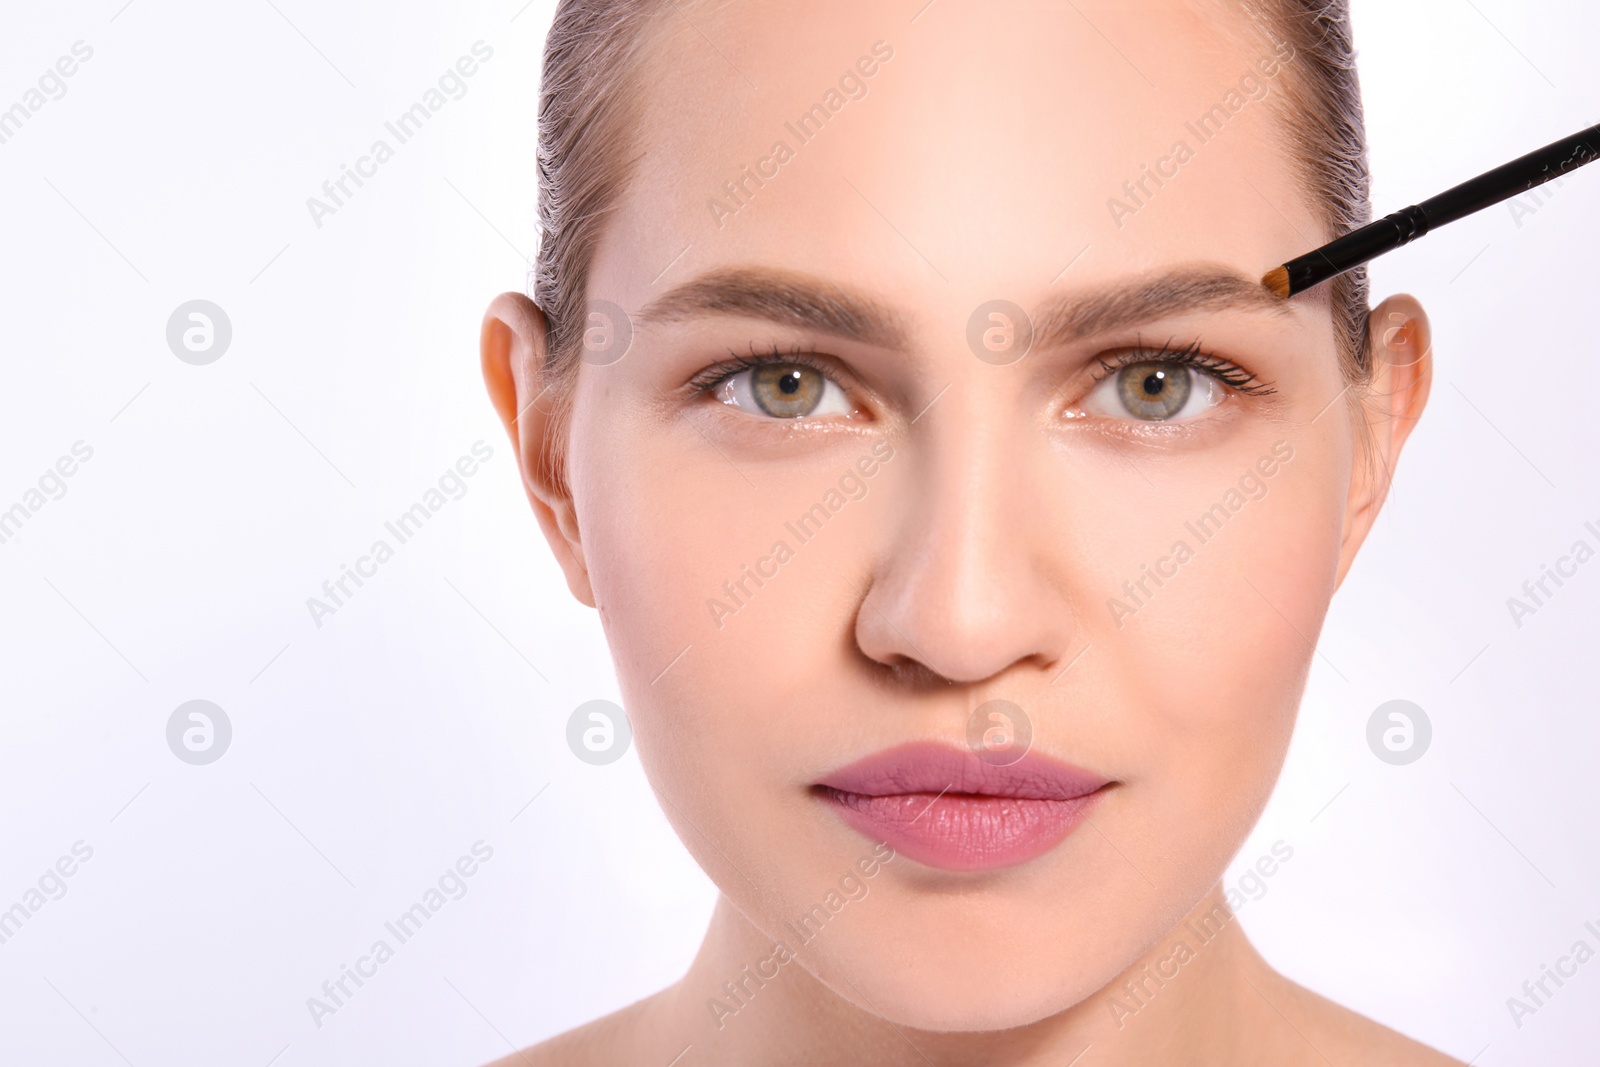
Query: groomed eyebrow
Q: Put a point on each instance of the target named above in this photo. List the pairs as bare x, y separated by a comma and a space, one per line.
784, 297
810, 303
1074, 316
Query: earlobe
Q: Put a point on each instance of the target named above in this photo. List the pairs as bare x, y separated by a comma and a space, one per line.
1400, 347
512, 347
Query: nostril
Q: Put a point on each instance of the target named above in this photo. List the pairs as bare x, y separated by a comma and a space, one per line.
911, 674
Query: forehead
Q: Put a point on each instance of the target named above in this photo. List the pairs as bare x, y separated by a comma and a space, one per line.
949, 154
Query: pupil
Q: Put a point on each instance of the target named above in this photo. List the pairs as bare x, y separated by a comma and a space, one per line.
790, 383
1152, 383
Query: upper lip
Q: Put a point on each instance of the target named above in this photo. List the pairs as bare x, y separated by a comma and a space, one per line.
934, 767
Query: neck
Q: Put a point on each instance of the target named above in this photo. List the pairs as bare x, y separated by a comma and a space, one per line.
1194, 997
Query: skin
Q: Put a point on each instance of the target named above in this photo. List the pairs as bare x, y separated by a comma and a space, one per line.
982, 557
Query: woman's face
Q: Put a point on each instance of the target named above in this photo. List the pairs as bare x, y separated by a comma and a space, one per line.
804, 565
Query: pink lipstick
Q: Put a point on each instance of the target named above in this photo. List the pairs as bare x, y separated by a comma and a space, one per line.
946, 807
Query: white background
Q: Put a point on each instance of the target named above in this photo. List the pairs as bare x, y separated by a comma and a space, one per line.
370, 753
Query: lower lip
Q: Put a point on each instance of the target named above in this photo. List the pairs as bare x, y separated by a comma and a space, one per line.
966, 831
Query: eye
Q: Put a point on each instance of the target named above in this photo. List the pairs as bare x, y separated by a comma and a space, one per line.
783, 391
1160, 390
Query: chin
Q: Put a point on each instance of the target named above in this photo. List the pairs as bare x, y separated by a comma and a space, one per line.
976, 994
945, 960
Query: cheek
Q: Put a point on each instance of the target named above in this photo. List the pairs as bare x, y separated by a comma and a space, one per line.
1212, 609
1192, 685
724, 600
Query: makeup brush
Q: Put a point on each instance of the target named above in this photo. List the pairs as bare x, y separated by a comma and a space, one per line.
1409, 223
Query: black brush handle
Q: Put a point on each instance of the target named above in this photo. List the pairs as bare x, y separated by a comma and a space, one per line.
1409, 223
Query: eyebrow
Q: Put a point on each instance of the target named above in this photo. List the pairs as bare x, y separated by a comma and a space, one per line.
784, 297
1073, 316
801, 300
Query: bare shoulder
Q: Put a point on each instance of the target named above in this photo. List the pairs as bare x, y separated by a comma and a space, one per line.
1336, 1033
610, 1039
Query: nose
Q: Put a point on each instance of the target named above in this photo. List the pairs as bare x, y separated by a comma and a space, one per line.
968, 588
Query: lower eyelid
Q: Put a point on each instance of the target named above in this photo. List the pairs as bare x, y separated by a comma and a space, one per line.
1161, 432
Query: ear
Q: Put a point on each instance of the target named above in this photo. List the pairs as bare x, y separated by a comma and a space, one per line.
1401, 346
513, 347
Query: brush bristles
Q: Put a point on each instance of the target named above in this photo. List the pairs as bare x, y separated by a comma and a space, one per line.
1277, 279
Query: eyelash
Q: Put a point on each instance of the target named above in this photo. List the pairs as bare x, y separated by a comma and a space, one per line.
1225, 371
717, 373
1192, 355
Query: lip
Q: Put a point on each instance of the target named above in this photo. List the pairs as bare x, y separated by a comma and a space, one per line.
946, 807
